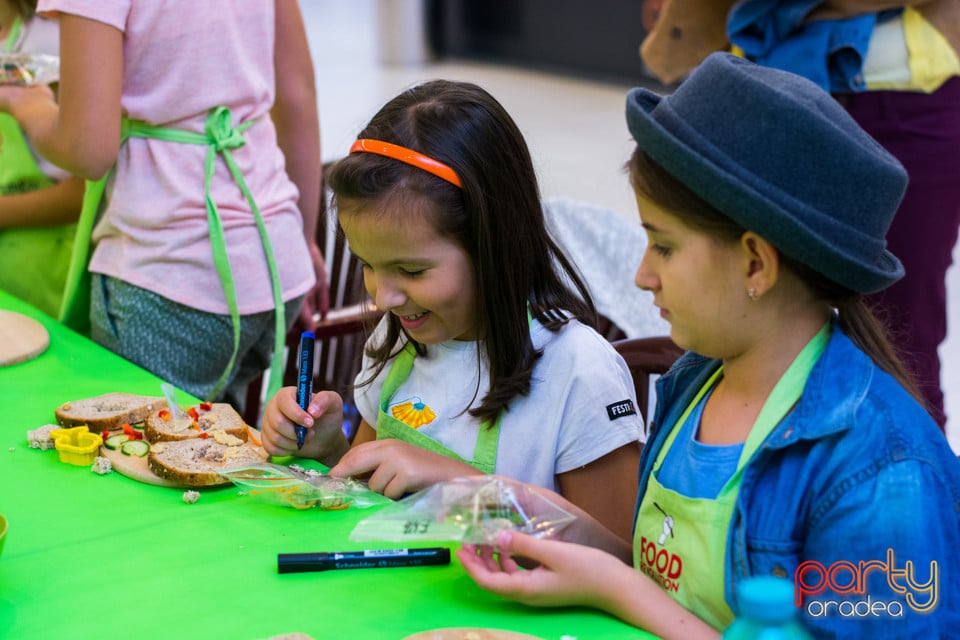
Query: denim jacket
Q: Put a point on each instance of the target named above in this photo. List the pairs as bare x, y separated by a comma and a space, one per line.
777, 34
856, 473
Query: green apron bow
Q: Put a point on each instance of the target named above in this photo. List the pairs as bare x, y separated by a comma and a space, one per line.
220, 136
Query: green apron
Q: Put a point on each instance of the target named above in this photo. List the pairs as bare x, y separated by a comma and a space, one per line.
220, 136
488, 438
680, 542
47, 249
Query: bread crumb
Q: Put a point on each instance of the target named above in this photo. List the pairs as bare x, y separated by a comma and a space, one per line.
101, 465
191, 496
39, 438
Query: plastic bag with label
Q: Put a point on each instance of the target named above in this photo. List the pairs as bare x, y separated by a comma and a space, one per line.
471, 510
301, 488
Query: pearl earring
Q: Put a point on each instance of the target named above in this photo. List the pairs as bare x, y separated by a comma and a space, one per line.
752, 293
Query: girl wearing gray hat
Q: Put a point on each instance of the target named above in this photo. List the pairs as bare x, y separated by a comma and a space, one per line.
788, 441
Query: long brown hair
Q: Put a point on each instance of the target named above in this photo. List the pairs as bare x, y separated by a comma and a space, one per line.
854, 316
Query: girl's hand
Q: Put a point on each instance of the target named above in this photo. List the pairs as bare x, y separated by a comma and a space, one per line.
398, 467
324, 421
573, 575
567, 575
14, 99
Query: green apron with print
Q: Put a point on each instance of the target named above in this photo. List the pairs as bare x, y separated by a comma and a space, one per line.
220, 136
680, 542
488, 437
33, 260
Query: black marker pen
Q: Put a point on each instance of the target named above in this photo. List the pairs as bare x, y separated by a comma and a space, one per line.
369, 559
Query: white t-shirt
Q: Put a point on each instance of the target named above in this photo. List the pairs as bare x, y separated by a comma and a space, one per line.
181, 58
578, 409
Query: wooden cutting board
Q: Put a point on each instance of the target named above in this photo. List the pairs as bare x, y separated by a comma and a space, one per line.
21, 338
134, 467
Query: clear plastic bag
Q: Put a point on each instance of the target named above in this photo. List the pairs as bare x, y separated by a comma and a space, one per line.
472, 510
301, 488
25, 69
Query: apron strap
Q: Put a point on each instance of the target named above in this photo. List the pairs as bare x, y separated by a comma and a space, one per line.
778, 404
220, 136
75, 304
488, 435
13, 35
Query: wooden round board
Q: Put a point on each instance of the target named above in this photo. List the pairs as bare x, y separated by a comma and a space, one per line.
21, 338
134, 467
470, 633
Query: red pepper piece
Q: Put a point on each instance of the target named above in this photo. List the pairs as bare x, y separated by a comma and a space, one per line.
206, 406
164, 415
204, 435
104, 435
192, 412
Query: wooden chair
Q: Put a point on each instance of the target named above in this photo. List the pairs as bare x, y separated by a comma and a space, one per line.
647, 357
609, 329
340, 336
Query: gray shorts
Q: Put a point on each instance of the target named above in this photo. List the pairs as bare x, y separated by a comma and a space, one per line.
184, 346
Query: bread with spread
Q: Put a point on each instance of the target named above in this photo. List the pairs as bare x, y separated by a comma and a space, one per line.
196, 462
108, 411
197, 420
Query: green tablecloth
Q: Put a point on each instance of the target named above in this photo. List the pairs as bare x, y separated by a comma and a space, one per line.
90, 556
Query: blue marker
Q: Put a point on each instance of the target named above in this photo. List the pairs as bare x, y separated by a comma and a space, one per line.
305, 380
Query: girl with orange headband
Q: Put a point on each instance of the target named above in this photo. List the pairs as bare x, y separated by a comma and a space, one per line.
486, 358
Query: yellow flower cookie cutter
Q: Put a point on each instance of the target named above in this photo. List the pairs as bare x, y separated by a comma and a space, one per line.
77, 445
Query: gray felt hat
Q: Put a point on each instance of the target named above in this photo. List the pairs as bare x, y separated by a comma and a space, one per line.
782, 158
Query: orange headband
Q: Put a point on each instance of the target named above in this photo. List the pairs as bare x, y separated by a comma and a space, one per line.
409, 156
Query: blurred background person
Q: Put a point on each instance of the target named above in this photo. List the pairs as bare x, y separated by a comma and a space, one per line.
895, 67
204, 117
39, 202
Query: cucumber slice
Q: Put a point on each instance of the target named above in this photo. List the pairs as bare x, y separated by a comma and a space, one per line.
116, 440
137, 448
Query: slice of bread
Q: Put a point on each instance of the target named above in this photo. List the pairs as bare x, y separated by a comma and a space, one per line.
197, 462
108, 411
162, 426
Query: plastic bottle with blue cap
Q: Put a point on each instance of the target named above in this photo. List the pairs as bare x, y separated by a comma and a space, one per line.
767, 611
